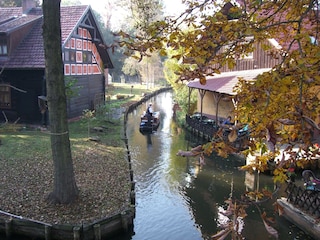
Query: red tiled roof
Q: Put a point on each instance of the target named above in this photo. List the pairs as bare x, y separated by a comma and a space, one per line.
70, 17
12, 18
30, 52
18, 22
226, 81
7, 13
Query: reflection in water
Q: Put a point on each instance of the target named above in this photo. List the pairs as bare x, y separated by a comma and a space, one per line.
148, 137
176, 198
149, 141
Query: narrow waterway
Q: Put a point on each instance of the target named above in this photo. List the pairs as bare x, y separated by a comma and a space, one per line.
177, 199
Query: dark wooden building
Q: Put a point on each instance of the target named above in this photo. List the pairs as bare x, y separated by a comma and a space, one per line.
22, 63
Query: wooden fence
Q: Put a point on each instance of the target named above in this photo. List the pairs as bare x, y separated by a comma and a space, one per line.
13, 226
207, 129
304, 199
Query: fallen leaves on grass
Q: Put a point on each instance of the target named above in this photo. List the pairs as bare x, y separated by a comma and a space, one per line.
102, 176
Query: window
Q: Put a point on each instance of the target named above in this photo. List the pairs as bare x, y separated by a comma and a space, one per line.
72, 56
247, 56
3, 47
5, 96
231, 48
87, 57
66, 56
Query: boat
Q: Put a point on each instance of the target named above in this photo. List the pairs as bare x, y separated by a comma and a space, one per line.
149, 124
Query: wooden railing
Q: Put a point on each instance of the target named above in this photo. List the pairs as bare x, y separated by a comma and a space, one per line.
304, 199
207, 128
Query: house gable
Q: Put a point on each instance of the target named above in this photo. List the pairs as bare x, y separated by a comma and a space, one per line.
82, 52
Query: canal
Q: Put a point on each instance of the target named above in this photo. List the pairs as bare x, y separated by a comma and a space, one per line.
178, 199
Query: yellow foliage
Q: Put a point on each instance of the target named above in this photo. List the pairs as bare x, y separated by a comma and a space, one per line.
290, 91
280, 175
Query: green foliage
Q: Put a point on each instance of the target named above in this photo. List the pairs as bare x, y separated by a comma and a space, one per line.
88, 115
72, 89
181, 91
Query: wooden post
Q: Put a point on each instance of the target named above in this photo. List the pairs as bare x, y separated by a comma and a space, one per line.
133, 183
133, 197
8, 224
97, 232
76, 233
124, 220
131, 175
47, 232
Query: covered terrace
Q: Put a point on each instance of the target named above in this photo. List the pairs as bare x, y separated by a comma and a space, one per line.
217, 100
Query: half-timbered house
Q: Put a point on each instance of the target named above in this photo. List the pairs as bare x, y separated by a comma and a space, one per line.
22, 64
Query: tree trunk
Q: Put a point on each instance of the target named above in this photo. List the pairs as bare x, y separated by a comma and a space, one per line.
65, 189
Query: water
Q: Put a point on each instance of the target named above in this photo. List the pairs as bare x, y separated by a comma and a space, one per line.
177, 199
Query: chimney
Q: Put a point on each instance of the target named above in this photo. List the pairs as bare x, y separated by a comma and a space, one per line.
27, 5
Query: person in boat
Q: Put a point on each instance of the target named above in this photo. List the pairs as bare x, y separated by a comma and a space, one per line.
149, 113
149, 109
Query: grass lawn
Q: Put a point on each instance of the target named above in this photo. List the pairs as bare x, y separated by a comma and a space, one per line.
125, 91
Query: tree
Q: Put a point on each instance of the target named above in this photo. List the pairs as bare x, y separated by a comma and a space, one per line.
65, 189
130, 68
181, 91
142, 13
281, 106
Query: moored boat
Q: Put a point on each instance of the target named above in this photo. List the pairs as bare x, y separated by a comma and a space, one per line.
149, 123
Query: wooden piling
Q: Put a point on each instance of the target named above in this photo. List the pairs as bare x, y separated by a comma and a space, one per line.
133, 183
133, 197
47, 232
76, 233
8, 226
124, 221
131, 175
97, 231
